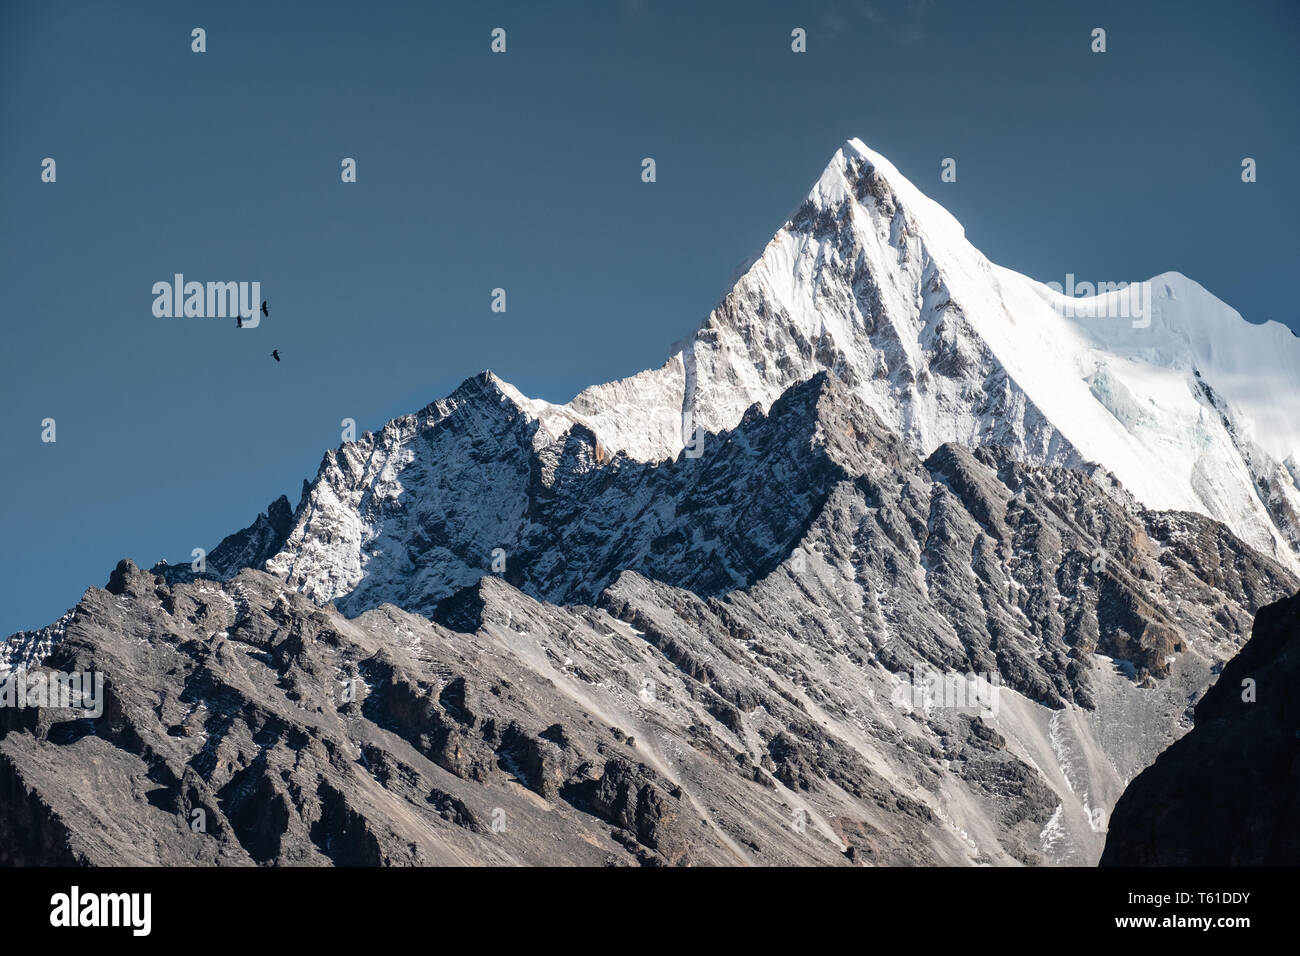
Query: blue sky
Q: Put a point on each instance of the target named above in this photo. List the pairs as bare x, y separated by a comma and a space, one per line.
522, 171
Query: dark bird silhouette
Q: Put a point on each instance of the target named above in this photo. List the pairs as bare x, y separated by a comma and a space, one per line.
239, 321
265, 310
275, 354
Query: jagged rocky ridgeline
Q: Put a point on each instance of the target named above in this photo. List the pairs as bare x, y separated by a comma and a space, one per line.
726, 690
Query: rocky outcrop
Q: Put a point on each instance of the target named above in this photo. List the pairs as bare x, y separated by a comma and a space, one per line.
1227, 793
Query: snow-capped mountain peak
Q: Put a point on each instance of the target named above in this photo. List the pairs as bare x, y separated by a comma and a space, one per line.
1189, 405
1186, 405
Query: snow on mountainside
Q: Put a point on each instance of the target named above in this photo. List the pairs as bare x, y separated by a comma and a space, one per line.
871, 281
1191, 407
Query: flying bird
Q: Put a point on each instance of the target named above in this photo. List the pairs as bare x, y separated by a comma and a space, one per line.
275, 354
265, 310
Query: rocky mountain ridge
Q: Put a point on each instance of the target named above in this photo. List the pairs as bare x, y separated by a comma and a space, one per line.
750, 682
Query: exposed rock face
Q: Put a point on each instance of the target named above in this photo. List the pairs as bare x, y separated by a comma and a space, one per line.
971, 541
716, 660
299, 737
1228, 793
